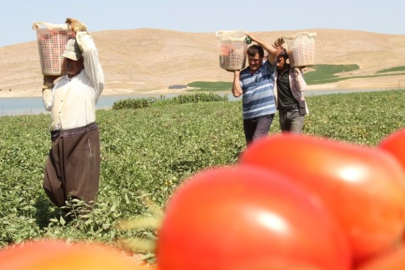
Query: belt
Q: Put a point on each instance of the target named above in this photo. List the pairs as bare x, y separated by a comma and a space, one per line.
290, 108
73, 132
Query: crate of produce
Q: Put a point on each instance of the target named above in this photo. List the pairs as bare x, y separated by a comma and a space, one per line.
232, 49
52, 39
301, 49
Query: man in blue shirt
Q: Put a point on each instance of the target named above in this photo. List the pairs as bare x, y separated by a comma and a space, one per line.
256, 84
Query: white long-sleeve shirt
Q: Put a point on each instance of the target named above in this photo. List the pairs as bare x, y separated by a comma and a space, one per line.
72, 101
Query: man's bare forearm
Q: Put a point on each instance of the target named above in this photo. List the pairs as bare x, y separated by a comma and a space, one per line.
272, 51
236, 89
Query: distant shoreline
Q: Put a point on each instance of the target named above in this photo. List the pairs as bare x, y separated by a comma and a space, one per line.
121, 92
10, 106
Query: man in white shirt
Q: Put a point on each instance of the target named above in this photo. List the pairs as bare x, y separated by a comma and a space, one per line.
73, 166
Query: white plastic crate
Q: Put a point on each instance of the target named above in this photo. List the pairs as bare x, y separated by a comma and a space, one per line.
232, 49
301, 49
52, 39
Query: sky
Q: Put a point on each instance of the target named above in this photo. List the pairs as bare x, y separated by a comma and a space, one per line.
386, 17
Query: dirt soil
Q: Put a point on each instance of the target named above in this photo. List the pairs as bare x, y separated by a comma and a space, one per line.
151, 60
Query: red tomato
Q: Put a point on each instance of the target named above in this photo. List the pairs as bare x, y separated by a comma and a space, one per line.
272, 265
394, 260
52, 254
395, 144
229, 216
363, 187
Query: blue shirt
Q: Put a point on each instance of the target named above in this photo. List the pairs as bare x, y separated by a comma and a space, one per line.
258, 97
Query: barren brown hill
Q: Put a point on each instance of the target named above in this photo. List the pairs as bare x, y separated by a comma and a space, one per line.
151, 60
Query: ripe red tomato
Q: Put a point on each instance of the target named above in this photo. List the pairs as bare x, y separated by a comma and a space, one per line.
394, 260
394, 144
272, 265
53, 254
363, 187
229, 216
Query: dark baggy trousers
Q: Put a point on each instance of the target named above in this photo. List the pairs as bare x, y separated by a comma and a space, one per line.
291, 121
257, 127
73, 166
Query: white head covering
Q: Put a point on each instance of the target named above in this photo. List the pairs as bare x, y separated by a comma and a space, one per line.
72, 50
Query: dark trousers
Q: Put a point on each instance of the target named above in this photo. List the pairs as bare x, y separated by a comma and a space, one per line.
73, 166
291, 121
257, 127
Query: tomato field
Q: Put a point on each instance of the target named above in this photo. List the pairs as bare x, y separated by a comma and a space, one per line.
151, 151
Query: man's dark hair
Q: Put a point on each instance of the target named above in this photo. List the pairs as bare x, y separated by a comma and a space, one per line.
255, 49
284, 54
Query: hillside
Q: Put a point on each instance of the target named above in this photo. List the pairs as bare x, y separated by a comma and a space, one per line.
151, 60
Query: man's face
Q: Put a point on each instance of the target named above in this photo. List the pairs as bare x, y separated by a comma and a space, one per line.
255, 62
280, 63
73, 67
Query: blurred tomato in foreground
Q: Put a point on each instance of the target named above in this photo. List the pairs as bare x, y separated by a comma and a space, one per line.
395, 144
363, 187
225, 217
273, 265
394, 260
57, 255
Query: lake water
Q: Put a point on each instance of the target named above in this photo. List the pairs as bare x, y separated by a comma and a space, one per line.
34, 105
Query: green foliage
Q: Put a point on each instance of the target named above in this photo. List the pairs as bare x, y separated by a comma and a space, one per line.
363, 118
210, 86
326, 73
152, 151
394, 69
143, 151
138, 103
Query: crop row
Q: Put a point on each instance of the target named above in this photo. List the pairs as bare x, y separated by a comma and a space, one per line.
151, 151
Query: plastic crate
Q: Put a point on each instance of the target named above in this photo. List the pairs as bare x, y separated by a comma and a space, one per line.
52, 39
301, 49
232, 49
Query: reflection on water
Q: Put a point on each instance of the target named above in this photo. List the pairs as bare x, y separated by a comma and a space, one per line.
34, 105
